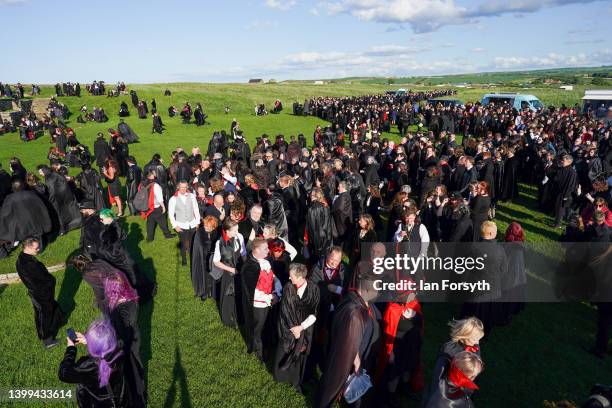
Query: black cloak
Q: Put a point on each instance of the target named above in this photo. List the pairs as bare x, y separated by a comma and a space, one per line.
91, 187
354, 330
127, 133
318, 230
274, 213
63, 201
291, 352
23, 215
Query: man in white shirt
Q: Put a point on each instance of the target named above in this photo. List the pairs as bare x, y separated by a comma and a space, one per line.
184, 216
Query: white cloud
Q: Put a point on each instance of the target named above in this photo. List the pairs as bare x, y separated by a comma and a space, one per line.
282, 5
258, 25
12, 2
314, 11
477, 49
430, 15
554, 60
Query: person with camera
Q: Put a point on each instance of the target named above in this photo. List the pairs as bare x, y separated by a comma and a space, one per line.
99, 374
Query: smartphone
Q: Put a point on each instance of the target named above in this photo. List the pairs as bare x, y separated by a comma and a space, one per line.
72, 335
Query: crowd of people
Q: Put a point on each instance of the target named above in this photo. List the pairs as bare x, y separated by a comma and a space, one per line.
272, 235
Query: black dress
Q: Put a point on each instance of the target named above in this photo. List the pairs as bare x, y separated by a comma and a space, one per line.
48, 315
203, 247
291, 353
84, 373
124, 319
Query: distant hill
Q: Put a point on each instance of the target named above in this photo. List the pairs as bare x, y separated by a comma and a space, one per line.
601, 76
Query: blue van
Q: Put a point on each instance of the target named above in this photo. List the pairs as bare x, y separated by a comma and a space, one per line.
518, 101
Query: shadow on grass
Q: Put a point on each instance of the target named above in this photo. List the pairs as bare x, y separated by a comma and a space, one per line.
178, 376
552, 235
178, 372
70, 286
145, 310
2, 287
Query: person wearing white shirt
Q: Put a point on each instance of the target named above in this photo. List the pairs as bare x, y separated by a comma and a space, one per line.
184, 216
410, 230
296, 326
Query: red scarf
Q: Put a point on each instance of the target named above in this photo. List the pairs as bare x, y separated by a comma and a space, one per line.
224, 235
459, 379
391, 319
472, 349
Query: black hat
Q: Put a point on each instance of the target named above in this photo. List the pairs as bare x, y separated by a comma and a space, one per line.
131, 159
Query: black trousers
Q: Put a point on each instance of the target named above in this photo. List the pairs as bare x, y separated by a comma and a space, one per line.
154, 219
604, 325
260, 314
561, 210
185, 237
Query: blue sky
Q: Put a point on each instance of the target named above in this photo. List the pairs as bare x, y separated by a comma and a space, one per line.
231, 41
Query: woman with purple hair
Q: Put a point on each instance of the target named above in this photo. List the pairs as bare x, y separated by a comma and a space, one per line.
99, 375
122, 308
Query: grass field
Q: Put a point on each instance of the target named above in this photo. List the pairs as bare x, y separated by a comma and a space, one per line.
192, 360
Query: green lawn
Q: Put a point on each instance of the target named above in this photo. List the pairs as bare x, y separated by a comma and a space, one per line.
193, 360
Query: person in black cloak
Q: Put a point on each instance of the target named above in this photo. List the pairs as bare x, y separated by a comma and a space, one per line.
142, 110
509, 188
91, 186
102, 151
48, 315
17, 170
62, 199
5, 184
274, 212
121, 151
227, 258
158, 126
202, 250
296, 320
134, 97
455, 385
118, 300
90, 229
318, 228
126, 132
260, 291
290, 194
354, 332
153, 106
455, 221
23, 214
564, 185
465, 336
132, 181
123, 110
199, 116
342, 216
279, 259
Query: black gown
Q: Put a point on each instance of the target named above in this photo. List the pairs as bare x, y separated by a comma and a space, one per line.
23, 215
291, 353
63, 201
202, 250
354, 331
127, 133
48, 315
318, 230
274, 214
509, 187
91, 187
124, 319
